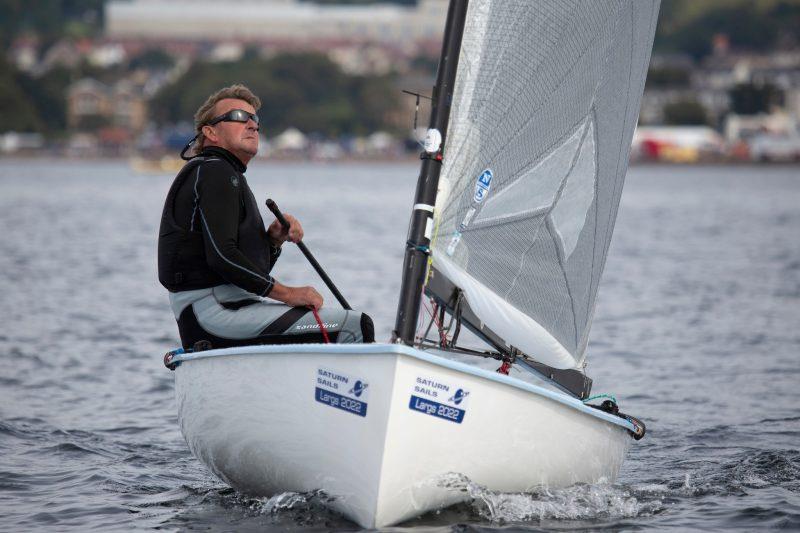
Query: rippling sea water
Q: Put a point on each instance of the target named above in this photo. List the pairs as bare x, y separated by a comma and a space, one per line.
697, 331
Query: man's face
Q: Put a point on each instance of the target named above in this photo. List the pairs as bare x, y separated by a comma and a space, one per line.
239, 138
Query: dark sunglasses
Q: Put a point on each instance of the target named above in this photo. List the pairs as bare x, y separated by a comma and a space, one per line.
234, 115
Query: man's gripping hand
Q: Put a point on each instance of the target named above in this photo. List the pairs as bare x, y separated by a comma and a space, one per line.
296, 296
278, 234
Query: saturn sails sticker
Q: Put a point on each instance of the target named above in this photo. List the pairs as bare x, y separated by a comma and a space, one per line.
441, 399
342, 391
483, 185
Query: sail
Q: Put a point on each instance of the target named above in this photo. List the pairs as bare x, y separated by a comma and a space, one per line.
546, 100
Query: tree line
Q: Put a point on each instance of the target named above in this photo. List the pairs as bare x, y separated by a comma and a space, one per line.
304, 90
310, 92
689, 26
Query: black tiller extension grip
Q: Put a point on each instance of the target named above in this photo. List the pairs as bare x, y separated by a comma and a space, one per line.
272, 206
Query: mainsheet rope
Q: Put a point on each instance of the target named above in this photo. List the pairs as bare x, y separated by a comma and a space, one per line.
322, 327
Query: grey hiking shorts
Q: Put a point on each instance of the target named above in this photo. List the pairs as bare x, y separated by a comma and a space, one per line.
227, 316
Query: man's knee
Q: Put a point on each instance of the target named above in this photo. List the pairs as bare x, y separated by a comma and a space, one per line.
355, 328
367, 328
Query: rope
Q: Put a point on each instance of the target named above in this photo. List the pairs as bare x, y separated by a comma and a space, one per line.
590, 398
322, 327
439, 325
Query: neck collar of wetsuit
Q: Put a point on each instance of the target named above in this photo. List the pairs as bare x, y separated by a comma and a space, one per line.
222, 152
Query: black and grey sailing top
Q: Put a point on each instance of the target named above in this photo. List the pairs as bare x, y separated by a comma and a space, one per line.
211, 231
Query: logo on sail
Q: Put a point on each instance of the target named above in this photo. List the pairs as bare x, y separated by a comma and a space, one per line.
482, 185
467, 219
451, 248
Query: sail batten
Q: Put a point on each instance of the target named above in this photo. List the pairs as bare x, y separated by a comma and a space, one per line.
545, 103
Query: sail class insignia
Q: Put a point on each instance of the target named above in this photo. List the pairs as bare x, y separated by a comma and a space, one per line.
482, 185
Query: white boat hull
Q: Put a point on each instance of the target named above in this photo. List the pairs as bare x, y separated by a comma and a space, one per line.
270, 419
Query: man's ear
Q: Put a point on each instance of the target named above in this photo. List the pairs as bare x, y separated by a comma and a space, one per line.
209, 133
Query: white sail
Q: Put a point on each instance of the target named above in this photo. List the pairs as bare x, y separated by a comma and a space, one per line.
546, 100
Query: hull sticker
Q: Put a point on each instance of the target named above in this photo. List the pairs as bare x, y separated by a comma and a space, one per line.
341, 391
441, 399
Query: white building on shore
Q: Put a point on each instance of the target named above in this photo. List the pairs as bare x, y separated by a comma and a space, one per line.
275, 21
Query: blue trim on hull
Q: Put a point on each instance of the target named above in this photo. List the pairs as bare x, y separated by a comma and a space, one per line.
401, 349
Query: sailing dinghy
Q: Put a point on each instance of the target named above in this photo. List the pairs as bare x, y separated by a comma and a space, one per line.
533, 113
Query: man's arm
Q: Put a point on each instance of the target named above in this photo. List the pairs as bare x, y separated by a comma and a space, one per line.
218, 205
219, 209
276, 235
293, 296
274, 254
296, 296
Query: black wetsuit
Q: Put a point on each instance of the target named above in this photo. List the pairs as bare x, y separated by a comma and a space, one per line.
211, 231
215, 258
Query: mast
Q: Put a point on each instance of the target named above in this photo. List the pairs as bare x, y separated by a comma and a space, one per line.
420, 231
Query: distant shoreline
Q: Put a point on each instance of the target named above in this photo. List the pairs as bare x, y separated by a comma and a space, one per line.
379, 160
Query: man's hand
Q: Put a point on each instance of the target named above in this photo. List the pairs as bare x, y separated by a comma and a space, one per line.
278, 234
296, 296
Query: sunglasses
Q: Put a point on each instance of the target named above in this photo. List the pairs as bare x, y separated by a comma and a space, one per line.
234, 115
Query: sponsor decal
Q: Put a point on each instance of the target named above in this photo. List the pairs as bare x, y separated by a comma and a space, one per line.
482, 185
358, 389
341, 391
316, 326
434, 397
459, 396
467, 219
451, 248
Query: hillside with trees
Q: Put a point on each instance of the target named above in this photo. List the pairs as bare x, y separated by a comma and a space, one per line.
311, 92
689, 26
307, 91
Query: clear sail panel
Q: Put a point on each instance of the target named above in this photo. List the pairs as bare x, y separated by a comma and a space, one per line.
545, 104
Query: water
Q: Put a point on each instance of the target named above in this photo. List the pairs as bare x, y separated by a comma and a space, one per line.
696, 332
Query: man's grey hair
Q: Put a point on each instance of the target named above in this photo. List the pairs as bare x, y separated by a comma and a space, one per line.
206, 113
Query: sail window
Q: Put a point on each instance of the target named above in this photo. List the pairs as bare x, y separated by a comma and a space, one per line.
571, 209
534, 190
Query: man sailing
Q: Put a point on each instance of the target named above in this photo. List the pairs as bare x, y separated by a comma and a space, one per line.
215, 256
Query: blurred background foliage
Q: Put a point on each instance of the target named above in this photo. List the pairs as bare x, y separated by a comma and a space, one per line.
688, 26
304, 90
310, 92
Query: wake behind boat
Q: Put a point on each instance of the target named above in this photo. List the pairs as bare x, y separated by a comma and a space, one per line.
509, 234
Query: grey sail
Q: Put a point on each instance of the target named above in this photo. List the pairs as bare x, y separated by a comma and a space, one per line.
545, 104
